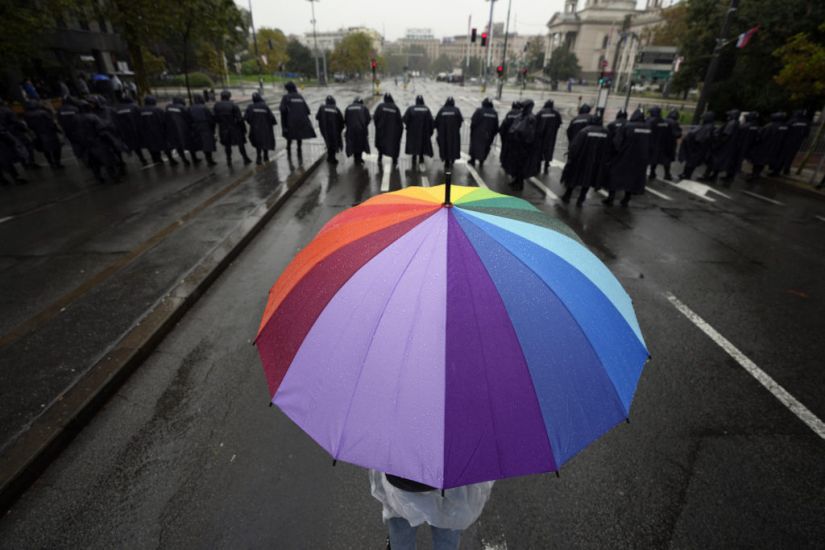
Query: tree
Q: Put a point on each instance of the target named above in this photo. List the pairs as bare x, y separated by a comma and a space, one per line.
475, 66
534, 54
22, 23
300, 59
803, 67
442, 64
352, 54
272, 45
563, 64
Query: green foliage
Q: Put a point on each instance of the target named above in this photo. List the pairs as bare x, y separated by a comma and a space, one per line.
534, 56
563, 64
442, 64
22, 23
745, 77
300, 58
352, 54
250, 67
803, 70
276, 56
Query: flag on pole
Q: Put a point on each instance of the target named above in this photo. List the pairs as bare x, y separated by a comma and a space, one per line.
746, 36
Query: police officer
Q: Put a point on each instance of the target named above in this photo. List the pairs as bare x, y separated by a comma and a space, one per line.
295, 123
448, 122
419, 123
483, 130
261, 127
231, 128
203, 130
549, 121
331, 123
357, 119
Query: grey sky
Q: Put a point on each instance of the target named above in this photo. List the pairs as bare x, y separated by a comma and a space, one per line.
393, 17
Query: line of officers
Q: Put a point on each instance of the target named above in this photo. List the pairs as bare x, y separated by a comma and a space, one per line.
100, 134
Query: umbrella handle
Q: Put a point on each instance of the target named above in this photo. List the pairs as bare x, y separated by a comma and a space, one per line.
448, 178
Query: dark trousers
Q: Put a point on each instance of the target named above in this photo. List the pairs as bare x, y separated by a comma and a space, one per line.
53, 157
612, 195
666, 168
261, 154
289, 146
569, 193
241, 148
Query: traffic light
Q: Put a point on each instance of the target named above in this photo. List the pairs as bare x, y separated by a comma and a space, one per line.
270, 43
373, 64
473, 36
483, 39
500, 71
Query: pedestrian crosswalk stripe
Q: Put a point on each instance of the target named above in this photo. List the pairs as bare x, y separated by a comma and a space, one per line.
385, 178
548, 193
820, 218
788, 400
658, 193
424, 181
694, 188
760, 197
603, 193
473, 173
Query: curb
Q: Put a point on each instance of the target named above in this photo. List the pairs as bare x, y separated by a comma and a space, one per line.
27, 457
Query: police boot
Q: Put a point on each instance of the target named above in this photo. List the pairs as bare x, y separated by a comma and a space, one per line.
625, 199
246, 159
546, 166
608, 201
209, 160
195, 158
582, 196
668, 177
258, 157
567, 194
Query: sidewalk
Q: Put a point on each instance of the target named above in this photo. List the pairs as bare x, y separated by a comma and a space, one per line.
93, 276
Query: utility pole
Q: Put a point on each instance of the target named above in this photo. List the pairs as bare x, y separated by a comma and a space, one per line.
255, 41
489, 56
714, 62
504, 56
318, 75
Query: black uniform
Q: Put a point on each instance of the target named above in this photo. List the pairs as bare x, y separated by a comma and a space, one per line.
798, 130
579, 121
725, 150
100, 144
503, 132
523, 146
419, 123
179, 128
11, 152
262, 124
357, 120
483, 130
629, 157
231, 128
203, 130
67, 116
331, 123
750, 137
388, 129
47, 133
660, 140
152, 129
126, 120
696, 146
549, 121
295, 123
586, 160
20, 132
769, 149
669, 149
448, 122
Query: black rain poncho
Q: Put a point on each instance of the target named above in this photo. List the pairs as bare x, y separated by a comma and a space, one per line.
549, 121
448, 123
178, 125
127, 118
331, 123
587, 156
771, 140
630, 155
388, 127
231, 128
261, 123
483, 130
203, 126
579, 121
503, 132
725, 153
152, 126
696, 144
357, 120
295, 123
524, 147
419, 124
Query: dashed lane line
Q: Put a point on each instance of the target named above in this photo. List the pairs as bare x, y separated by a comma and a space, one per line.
473, 173
763, 198
603, 193
385, 178
425, 182
7, 218
548, 193
694, 188
820, 218
780, 393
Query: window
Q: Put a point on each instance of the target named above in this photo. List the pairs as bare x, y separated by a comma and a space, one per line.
605, 42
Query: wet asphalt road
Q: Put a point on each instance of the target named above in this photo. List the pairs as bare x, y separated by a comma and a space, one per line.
189, 455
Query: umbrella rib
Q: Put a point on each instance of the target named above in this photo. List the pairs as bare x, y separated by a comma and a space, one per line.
584, 333
371, 339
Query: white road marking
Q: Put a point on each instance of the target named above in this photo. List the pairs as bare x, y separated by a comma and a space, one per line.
424, 181
473, 173
694, 188
820, 218
7, 218
556, 163
658, 193
603, 193
548, 193
146, 167
790, 402
760, 197
714, 190
385, 178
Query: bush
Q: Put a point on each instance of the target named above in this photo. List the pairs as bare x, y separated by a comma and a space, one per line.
196, 80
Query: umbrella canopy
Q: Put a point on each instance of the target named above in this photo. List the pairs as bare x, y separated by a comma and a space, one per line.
450, 344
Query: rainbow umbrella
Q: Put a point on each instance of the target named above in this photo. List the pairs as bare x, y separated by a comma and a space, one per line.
450, 343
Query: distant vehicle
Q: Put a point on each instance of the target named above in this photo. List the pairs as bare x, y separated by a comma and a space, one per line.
340, 77
441, 77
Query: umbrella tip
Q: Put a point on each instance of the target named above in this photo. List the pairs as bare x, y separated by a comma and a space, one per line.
334, 462
270, 403
558, 475
627, 420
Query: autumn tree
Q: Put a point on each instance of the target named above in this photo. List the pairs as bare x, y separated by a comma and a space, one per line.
272, 47
534, 53
352, 54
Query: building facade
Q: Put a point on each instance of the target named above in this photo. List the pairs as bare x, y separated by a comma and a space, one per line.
593, 33
327, 40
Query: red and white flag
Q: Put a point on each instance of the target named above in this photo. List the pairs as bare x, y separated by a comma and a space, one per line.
746, 36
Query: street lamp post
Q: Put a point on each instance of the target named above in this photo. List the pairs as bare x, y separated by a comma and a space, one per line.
504, 56
315, 44
255, 42
714, 62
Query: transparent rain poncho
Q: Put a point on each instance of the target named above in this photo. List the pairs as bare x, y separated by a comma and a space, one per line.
457, 509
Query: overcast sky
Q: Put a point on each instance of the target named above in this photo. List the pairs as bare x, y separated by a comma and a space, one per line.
393, 17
